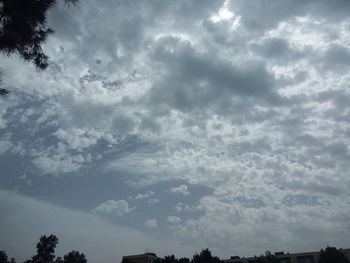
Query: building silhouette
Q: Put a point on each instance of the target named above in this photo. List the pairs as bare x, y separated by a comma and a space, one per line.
142, 258
305, 257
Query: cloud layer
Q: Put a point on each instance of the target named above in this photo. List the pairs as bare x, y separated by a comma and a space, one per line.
223, 124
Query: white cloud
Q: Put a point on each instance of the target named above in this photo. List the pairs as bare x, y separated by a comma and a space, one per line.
144, 196
78, 138
181, 207
173, 219
237, 226
112, 207
223, 14
147, 196
182, 189
151, 223
153, 201
57, 165
178, 207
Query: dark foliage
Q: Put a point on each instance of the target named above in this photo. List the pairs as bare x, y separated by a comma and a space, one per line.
170, 259
332, 254
45, 250
205, 257
158, 260
184, 260
23, 29
46, 253
74, 257
4, 258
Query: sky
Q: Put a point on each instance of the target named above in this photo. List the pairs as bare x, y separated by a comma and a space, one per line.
174, 126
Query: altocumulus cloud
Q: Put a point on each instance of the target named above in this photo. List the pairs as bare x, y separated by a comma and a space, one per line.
111, 207
233, 113
173, 219
151, 223
182, 189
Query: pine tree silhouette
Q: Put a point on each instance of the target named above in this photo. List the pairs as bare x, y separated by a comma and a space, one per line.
23, 29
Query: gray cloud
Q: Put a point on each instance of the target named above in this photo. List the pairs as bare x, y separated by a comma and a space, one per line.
244, 102
279, 49
261, 15
195, 81
335, 58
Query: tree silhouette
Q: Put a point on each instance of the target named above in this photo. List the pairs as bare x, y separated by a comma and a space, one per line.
45, 250
157, 260
332, 254
4, 258
184, 260
45, 253
205, 257
170, 259
23, 29
74, 257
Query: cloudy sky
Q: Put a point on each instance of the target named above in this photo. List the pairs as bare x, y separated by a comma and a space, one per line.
173, 126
